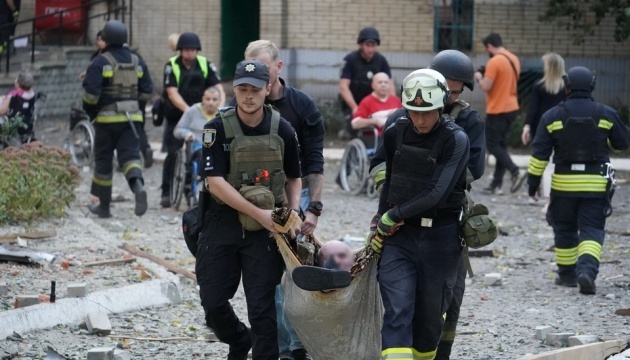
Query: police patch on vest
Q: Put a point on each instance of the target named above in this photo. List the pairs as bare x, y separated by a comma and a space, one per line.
209, 135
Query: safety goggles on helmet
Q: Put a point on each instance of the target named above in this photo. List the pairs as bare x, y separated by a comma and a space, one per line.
424, 90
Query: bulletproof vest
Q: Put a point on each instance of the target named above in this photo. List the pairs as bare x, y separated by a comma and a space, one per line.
360, 84
20, 107
123, 84
458, 106
580, 139
190, 89
255, 160
408, 181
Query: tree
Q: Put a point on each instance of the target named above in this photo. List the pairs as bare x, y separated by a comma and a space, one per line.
583, 16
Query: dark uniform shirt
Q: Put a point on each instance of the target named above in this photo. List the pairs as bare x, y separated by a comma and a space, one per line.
448, 174
360, 72
469, 120
216, 158
191, 85
93, 82
539, 102
300, 110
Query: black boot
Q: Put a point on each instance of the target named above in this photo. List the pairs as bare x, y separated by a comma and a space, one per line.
314, 278
141, 197
148, 158
587, 284
300, 354
101, 210
240, 350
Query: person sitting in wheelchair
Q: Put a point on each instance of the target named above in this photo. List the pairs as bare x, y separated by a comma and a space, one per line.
190, 126
374, 109
19, 105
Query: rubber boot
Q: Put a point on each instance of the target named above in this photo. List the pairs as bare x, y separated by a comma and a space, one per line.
100, 209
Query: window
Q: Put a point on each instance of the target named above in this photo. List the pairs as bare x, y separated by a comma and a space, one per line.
453, 25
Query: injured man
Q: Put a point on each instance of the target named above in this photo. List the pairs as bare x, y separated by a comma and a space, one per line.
334, 261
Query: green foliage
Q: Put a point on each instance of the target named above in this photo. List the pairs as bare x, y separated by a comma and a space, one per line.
38, 181
583, 16
9, 130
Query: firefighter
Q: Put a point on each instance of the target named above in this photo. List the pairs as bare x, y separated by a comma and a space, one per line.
114, 83
581, 132
419, 231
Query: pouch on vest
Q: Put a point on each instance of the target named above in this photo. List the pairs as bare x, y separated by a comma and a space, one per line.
478, 228
278, 181
262, 198
127, 106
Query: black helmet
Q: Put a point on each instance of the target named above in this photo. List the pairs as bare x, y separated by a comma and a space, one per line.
188, 40
114, 33
455, 65
579, 78
369, 33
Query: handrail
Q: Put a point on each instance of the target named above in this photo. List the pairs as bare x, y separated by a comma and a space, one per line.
115, 10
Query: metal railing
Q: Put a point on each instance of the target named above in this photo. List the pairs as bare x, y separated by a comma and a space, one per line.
114, 10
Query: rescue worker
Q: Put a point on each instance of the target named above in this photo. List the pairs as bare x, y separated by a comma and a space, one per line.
249, 154
186, 77
114, 84
580, 132
357, 70
419, 231
458, 70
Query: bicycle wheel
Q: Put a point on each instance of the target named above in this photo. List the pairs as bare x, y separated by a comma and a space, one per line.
371, 189
82, 143
354, 167
178, 180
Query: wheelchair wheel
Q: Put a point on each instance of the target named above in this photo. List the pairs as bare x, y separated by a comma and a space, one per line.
178, 181
371, 189
354, 167
81, 143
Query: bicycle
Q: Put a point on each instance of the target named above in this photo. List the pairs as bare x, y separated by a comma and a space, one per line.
186, 180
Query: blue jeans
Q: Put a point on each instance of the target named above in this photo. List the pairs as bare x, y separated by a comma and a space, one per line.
287, 337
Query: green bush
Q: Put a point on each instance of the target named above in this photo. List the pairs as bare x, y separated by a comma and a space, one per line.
36, 181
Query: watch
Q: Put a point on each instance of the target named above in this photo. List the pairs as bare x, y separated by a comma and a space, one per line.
315, 207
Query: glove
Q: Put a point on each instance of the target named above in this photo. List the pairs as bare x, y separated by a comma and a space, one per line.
387, 224
379, 180
373, 226
376, 243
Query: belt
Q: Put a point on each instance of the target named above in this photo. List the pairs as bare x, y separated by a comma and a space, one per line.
581, 168
423, 222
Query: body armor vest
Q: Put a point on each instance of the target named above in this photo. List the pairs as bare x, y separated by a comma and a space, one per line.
255, 160
361, 84
408, 181
580, 140
123, 88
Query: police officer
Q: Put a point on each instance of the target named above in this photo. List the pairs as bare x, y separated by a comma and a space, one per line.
420, 226
580, 132
186, 77
249, 154
301, 111
114, 83
357, 70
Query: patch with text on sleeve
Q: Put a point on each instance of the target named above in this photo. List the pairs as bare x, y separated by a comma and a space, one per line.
209, 136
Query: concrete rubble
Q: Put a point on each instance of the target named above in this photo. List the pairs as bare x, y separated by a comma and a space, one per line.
98, 323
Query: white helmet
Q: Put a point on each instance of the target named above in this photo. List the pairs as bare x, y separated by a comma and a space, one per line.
424, 90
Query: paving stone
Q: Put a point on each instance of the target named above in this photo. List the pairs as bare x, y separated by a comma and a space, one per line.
558, 339
27, 300
542, 331
98, 323
77, 290
101, 353
582, 340
492, 279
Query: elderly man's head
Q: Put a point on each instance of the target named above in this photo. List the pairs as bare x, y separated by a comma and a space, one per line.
336, 254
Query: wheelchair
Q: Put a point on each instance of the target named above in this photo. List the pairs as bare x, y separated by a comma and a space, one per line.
354, 174
186, 181
81, 139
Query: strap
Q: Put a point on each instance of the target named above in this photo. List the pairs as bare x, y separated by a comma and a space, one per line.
467, 261
457, 108
445, 132
232, 128
511, 63
275, 124
401, 126
110, 58
203, 65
